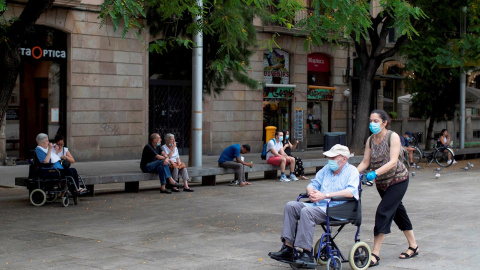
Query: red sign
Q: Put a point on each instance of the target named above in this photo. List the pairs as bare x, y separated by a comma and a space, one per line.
318, 62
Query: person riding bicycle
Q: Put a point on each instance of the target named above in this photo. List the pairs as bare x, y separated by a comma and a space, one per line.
444, 140
406, 138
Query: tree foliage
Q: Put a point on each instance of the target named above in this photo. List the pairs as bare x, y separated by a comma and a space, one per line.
226, 25
439, 54
366, 24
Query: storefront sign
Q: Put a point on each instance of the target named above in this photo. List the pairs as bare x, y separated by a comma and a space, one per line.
276, 67
320, 93
13, 113
276, 93
37, 53
318, 62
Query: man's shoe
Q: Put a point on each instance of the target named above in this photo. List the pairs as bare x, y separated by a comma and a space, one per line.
283, 178
234, 183
293, 178
305, 258
286, 255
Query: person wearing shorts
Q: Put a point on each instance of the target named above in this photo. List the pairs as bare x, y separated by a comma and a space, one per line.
277, 157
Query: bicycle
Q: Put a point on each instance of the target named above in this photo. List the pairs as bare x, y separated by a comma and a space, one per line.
439, 154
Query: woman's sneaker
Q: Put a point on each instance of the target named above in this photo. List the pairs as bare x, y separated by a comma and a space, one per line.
293, 178
283, 178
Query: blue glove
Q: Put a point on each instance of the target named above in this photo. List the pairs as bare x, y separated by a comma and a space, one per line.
371, 175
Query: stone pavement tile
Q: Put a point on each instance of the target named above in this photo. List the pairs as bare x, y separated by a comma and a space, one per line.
227, 227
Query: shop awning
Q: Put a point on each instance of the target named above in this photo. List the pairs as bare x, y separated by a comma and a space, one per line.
278, 91
320, 92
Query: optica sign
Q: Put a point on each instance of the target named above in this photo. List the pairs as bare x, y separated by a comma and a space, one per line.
37, 53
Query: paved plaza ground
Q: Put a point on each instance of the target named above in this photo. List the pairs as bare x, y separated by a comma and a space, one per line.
225, 227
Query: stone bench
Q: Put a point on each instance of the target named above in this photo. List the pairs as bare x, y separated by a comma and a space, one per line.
132, 180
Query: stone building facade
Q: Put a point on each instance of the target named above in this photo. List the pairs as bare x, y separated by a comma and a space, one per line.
98, 94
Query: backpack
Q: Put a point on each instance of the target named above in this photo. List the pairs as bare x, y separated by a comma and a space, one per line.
402, 157
264, 151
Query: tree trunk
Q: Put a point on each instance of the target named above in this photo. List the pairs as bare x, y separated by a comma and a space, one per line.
361, 118
10, 48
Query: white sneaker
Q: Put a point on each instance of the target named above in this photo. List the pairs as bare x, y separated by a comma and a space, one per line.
283, 178
293, 178
449, 162
454, 161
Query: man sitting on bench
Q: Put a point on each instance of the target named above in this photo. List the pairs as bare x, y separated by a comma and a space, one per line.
230, 158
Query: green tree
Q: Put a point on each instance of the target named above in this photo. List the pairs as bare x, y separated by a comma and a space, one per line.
435, 64
366, 24
328, 21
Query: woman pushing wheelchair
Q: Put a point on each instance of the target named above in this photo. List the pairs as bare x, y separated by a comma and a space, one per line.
391, 179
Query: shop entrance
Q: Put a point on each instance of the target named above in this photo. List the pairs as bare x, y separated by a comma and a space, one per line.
318, 115
38, 103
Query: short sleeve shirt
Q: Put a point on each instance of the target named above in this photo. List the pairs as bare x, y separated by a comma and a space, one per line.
272, 144
230, 153
326, 182
175, 154
42, 154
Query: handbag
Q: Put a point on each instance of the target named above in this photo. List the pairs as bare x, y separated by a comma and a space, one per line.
65, 163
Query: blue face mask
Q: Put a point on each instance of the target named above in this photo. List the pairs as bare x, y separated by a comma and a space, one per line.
288, 136
408, 139
375, 128
158, 144
280, 139
333, 165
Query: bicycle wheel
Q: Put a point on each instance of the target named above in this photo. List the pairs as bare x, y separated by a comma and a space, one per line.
417, 155
441, 156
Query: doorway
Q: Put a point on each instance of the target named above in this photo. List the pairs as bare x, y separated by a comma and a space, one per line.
38, 101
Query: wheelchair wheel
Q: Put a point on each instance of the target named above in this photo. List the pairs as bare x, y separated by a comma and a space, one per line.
322, 259
335, 264
65, 201
360, 256
38, 197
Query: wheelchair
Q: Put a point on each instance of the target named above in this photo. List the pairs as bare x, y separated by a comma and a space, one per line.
326, 251
46, 184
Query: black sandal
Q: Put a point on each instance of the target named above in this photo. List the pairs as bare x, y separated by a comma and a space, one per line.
372, 264
407, 256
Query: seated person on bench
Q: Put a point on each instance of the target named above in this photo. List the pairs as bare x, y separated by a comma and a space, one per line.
153, 161
230, 158
338, 178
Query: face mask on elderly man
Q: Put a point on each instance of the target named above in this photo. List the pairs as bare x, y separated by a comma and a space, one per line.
333, 165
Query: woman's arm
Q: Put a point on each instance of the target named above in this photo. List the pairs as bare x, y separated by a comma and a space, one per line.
395, 146
448, 140
293, 146
69, 157
366, 158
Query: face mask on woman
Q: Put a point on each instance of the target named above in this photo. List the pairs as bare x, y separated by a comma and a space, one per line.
288, 136
375, 128
333, 165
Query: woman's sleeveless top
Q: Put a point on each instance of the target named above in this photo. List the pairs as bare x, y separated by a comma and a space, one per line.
379, 156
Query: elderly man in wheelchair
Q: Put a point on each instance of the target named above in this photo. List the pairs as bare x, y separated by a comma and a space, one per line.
334, 196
